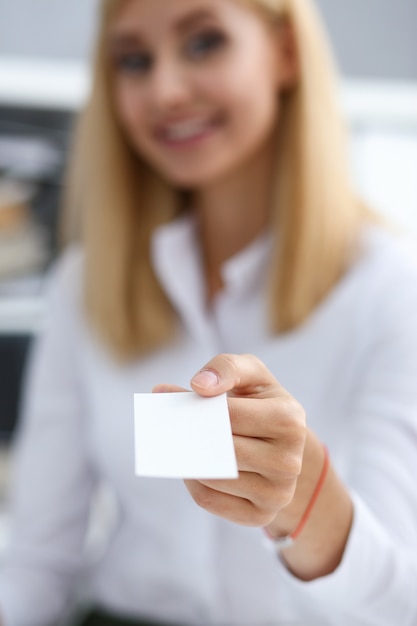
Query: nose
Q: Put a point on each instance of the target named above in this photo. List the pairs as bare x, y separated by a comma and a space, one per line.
170, 86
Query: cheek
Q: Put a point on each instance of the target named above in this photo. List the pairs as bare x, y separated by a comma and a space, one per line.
255, 111
248, 97
129, 109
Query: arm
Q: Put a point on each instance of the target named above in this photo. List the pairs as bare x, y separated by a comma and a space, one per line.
358, 549
52, 480
375, 580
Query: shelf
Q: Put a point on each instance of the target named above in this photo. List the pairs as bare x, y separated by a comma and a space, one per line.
21, 316
43, 83
22, 306
389, 105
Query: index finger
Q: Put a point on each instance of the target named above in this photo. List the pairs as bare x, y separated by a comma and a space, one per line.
244, 374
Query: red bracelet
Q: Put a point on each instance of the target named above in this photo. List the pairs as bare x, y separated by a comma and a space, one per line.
284, 542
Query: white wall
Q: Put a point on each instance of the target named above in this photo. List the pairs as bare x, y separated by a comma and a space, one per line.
384, 163
375, 38
52, 28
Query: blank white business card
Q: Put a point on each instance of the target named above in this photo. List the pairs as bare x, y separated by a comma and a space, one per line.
182, 435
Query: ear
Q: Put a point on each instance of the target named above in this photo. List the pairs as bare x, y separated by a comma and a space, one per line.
287, 66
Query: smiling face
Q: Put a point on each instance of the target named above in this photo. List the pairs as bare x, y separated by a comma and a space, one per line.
196, 85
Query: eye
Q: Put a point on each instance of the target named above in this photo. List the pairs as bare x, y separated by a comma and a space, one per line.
134, 62
204, 44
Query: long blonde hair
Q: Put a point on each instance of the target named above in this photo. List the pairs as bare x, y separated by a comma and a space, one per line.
117, 200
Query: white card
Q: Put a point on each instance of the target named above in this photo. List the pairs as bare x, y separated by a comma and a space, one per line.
182, 435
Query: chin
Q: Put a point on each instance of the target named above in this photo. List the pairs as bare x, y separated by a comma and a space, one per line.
199, 175
190, 180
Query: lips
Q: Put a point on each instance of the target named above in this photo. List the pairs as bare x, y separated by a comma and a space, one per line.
185, 132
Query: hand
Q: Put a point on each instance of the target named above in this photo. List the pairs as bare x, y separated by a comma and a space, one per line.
269, 433
279, 463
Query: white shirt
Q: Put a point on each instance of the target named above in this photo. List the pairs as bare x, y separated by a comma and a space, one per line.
353, 366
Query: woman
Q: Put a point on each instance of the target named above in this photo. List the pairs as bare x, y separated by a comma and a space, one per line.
217, 218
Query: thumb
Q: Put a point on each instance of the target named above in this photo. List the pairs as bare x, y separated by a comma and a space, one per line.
243, 374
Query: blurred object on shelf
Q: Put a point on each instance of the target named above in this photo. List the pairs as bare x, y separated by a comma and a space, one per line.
14, 201
22, 251
23, 243
28, 158
33, 151
23, 308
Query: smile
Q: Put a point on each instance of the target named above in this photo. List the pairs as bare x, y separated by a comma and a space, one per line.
185, 133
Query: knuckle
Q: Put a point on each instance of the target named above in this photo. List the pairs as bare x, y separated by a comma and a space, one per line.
293, 465
227, 363
233, 409
229, 360
299, 413
287, 495
203, 496
279, 496
268, 496
269, 492
253, 359
295, 410
244, 453
263, 517
255, 364
287, 465
292, 421
252, 515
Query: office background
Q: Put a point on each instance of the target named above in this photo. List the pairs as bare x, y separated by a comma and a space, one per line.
371, 38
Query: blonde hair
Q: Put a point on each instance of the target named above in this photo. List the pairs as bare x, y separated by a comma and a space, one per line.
119, 200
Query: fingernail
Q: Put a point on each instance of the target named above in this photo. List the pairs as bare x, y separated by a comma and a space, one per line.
160, 389
205, 379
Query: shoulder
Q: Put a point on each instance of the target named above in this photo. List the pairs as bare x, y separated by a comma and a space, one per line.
64, 280
383, 247
378, 291
385, 274
386, 259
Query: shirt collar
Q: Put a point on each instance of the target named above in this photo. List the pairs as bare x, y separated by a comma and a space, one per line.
178, 264
249, 267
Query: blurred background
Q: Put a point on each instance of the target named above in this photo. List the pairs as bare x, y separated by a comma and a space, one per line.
45, 46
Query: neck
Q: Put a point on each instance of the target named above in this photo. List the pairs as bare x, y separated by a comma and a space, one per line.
232, 213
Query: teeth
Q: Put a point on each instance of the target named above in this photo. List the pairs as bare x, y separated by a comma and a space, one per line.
185, 130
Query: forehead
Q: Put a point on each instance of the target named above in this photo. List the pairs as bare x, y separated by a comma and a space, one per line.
170, 14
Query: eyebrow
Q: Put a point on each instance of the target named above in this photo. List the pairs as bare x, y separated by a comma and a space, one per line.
188, 21
121, 39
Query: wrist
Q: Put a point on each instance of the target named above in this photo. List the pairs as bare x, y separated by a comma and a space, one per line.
290, 521
319, 547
